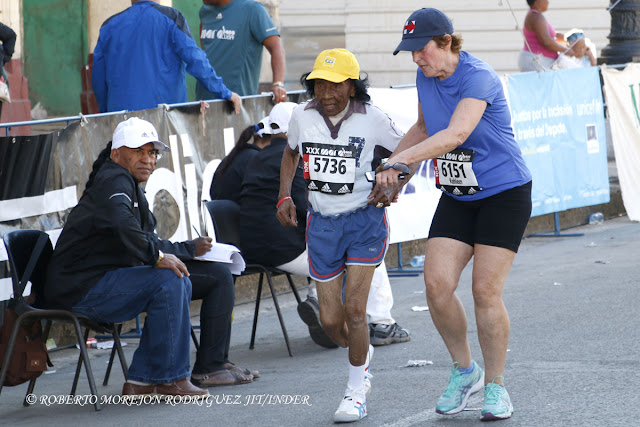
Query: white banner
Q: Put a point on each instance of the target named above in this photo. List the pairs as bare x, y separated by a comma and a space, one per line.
622, 93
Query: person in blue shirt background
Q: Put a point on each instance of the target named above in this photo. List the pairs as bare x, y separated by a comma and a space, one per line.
233, 33
141, 57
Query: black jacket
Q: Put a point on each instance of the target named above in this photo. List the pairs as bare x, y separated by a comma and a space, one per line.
262, 239
110, 228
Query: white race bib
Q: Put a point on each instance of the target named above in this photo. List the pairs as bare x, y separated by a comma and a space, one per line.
329, 168
454, 172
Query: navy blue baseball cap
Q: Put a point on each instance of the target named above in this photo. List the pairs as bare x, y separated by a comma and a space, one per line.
422, 26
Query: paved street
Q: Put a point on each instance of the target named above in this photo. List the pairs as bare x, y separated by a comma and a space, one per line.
573, 354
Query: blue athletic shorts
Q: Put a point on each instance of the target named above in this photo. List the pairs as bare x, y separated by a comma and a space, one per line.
360, 237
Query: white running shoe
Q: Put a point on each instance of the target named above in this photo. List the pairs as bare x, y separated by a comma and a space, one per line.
353, 406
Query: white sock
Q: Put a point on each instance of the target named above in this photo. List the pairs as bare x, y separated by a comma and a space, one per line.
369, 356
356, 377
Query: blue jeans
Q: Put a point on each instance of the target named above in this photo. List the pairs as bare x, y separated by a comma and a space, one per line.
163, 353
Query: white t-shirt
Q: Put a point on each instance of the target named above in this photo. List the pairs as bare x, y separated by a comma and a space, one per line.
334, 169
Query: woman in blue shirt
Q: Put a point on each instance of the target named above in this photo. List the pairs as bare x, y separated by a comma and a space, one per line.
464, 124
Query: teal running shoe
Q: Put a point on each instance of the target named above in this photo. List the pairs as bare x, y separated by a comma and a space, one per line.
497, 404
461, 386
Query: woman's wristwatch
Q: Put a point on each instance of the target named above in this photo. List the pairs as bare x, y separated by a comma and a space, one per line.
400, 167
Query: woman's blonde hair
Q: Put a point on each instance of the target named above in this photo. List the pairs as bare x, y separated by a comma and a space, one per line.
456, 42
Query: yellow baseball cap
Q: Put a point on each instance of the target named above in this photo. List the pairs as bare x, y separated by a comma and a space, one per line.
335, 65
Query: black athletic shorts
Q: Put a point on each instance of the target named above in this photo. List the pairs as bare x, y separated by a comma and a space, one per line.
498, 220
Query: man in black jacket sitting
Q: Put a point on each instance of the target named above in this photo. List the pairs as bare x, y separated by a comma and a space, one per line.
110, 265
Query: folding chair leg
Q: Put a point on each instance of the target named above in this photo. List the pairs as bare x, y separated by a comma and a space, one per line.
275, 302
32, 383
255, 313
293, 288
84, 356
117, 347
109, 365
80, 359
195, 339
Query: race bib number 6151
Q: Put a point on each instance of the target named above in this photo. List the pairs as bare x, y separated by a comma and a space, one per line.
329, 168
454, 172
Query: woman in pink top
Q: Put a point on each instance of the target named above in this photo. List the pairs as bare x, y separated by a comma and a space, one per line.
541, 41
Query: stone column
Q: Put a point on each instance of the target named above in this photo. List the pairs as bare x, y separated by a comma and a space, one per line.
624, 38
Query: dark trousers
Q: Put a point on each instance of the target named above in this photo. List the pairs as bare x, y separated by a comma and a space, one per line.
213, 284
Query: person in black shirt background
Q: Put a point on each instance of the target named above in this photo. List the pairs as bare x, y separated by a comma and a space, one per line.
228, 176
8, 38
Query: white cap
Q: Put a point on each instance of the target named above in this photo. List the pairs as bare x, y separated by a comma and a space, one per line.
135, 133
280, 116
263, 127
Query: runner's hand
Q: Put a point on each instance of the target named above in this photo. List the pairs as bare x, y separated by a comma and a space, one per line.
386, 197
287, 214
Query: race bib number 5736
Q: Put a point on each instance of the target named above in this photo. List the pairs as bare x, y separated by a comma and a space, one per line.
329, 168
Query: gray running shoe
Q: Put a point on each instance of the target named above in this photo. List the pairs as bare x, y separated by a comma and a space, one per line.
309, 312
380, 334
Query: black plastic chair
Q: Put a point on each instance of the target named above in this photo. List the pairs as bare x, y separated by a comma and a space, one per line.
225, 215
20, 246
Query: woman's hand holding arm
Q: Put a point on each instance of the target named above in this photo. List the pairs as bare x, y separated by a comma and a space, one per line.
464, 120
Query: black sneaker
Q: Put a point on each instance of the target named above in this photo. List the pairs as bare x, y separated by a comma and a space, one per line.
309, 312
380, 334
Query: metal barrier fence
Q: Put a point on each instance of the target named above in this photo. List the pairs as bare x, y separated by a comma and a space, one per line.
80, 117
